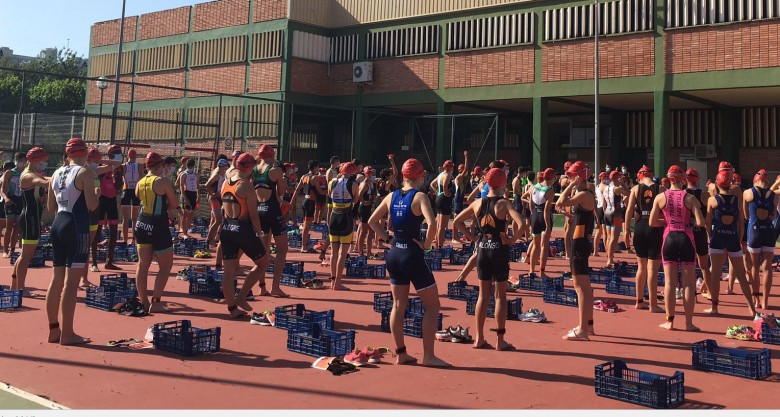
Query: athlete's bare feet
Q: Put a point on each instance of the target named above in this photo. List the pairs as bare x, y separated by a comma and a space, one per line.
54, 335
243, 304
278, 293
668, 325
404, 358
656, 309
435, 362
158, 307
74, 340
6, 255
713, 311
340, 287
641, 306
236, 313
691, 328
504, 346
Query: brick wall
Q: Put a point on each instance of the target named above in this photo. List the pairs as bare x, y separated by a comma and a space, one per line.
405, 74
311, 77
220, 14
165, 23
751, 160
93, 93
107, 33
719, 48
228, 79
620, 56
174, 78
270, 10
491, 67
265, 76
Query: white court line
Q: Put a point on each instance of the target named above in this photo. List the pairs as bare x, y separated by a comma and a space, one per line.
31, 397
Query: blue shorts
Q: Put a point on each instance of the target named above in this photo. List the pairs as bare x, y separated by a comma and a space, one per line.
406, 265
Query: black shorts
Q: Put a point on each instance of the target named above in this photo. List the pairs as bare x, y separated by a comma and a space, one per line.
725, 242
678, 247
320, 200
190, 200
340, 227
406, 265
271, 219
30, 226
526, 212
599, 215
153, 232
581, 248
647, 240
761, 237
12, 211
492, 261
108, 209
443, 205
69, 241
308, 209
700, 241
355, 208
237, 235
93, 220
2, 209
364, 212
129, 198
538, 226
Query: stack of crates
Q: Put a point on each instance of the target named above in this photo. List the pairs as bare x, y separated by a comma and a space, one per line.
187, 247
205, 281
10, 298
383, 304
513, 307
358, 267
39, 257
203, 231
181, 338
311, 332
125, 252
114, 290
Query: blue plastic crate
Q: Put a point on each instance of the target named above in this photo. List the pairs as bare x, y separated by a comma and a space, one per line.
44, 238
319, 228
368, 271
412, 323
538, 284
434, 264
10, 298
357, 260
294, 279
205, 282
770, 336
183, 250
126, 253
603, 276
623, 288
460, 257
117, 282
383, 301
296, 318
294, 241
616, 380
289, 268
201, 221
103, 298
708, 356
460, 290
516, 251
317, 342
37, 261
560, 295
181, 338
513, 307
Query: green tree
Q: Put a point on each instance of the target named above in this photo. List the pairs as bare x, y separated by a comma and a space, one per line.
58, 94
10, 88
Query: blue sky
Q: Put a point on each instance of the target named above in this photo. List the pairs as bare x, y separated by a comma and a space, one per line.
27, 26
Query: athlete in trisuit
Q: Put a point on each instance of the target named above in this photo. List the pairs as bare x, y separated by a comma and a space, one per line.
72, 195
131, 173
12, 196
406, 260
759, 204
700, 234
343, 191
311, 184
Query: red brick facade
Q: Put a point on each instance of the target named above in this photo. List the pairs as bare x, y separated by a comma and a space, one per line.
174, 78
220, 14
265, 76
405, 74
107, 33
621, 56
164, 23
728, 47
311, 77
228, 79
270, 10
492, 67
93, 93
751, 160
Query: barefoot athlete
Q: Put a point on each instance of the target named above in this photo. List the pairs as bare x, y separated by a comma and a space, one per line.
214, 188
158, 201
131, 173
672, 210
30, 183
581, 198
759, 204
342, 192
406, 261
541, 220
493, 214
700, 234
270, 185
72, 195
108, 211
240, 232
724, 220
647, 240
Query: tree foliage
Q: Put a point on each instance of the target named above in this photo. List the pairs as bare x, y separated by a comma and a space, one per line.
44, 92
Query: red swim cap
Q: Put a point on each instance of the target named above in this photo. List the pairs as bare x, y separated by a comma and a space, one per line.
36, 154
737, 179
602, 175
675, 173
132, 153
495, 178
153, 159
724, 179
447, 164
725, 166
114, 149
412, 169
614, 175
644, 172
549, 174
367, 170
266, 152
244, 162
76, 148
579, 169
566, 166
477, 170
761, 175
348, 169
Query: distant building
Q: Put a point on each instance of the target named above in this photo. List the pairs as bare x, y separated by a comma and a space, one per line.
45, 53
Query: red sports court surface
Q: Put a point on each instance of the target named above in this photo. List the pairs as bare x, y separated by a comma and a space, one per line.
254, 370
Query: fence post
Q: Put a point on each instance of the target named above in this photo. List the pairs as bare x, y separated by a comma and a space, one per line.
14, 135
72, 122
32, 130
21, 106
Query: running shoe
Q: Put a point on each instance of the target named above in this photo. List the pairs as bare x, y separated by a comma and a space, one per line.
459, 334
375, 355
444, 336
679, 293
699, 285
319, 246
182, 275
94, 268
356, 357
250, 296
534, 316
265, 318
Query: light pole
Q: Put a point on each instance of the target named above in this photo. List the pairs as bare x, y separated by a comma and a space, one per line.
597, 26
118, 73
102, 84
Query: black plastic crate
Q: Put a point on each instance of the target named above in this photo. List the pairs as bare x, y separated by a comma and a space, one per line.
289, 268
513, 307
603, 276
296, 280
37, 261
412, 323
434, 264
460, 290
317, 342
368, 271
183, 250
10, 298
460, 257
770, 336
708, 356
616, 380
560, 295
106, 299
117, 282
206, 282
538, 284
180, 337
296, 318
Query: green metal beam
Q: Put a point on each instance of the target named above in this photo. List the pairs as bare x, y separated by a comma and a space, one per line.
540, 139
662, 131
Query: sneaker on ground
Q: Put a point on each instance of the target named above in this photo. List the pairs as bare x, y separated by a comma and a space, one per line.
534, 316
356, 357
94, 268
678, 293
444, 336
375, 355
265, 318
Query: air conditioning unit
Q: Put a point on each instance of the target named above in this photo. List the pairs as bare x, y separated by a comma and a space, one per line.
704, 152
363, 72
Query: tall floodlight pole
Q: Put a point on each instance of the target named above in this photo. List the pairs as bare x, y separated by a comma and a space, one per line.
118, 72
597, 25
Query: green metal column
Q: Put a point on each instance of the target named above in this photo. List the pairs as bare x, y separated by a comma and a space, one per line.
662, 131
526, 139
730, 122
443, 134
618, 127
540, 139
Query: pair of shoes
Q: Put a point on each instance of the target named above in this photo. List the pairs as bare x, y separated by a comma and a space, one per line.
201, 253
459, 334
314, 284
444, 336
250, 296
699, 285
266, 318
111, 267
360, 357
742, 332
610, 306
319, 246
182, 275
94, 268
678, 294
533, 315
